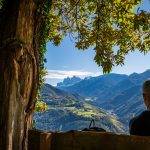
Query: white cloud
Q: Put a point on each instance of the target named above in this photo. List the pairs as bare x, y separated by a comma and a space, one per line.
61, 74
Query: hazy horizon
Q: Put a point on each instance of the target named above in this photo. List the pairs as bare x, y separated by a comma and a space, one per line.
57, 80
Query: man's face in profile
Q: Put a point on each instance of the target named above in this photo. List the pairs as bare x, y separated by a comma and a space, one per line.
146, 93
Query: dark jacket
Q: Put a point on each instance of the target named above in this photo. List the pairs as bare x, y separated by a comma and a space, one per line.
140, 125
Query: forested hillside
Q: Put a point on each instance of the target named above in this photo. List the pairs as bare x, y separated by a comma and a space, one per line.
67, 112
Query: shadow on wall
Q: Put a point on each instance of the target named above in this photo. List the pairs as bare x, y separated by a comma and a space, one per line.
79, 140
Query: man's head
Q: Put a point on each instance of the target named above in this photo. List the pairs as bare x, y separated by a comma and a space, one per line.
146, 93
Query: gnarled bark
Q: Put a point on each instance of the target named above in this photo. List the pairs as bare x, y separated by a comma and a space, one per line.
19, 60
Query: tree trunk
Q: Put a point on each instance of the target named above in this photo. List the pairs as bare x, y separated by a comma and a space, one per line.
19, 62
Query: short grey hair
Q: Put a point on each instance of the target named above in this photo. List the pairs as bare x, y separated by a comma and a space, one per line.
146, 87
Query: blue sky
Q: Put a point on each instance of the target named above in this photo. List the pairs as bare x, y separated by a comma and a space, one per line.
66, 60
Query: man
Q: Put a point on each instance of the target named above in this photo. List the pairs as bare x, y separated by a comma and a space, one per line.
140, 125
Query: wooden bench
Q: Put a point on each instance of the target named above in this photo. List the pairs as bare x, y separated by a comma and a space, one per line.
78, 140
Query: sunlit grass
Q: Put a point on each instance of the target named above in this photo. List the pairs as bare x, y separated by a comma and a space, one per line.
86, 111
90, 99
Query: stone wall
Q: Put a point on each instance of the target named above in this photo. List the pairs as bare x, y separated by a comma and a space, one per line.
77, 140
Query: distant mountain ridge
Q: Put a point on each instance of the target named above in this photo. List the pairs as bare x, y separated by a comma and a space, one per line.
118, 93
69, 81
94, 86
68, 112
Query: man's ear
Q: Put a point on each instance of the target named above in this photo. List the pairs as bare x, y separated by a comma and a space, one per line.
146, 100
144, 97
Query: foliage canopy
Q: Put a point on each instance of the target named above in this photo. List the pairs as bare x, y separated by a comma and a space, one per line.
112, 27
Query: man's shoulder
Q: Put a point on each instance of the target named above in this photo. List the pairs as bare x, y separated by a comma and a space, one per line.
144, 115
140, 123
147, 113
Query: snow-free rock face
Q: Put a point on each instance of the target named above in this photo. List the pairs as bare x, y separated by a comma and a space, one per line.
95, 86
69, 81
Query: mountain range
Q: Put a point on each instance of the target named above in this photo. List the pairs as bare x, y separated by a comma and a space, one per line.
111, 99
93, 86
117, 93
69, 81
